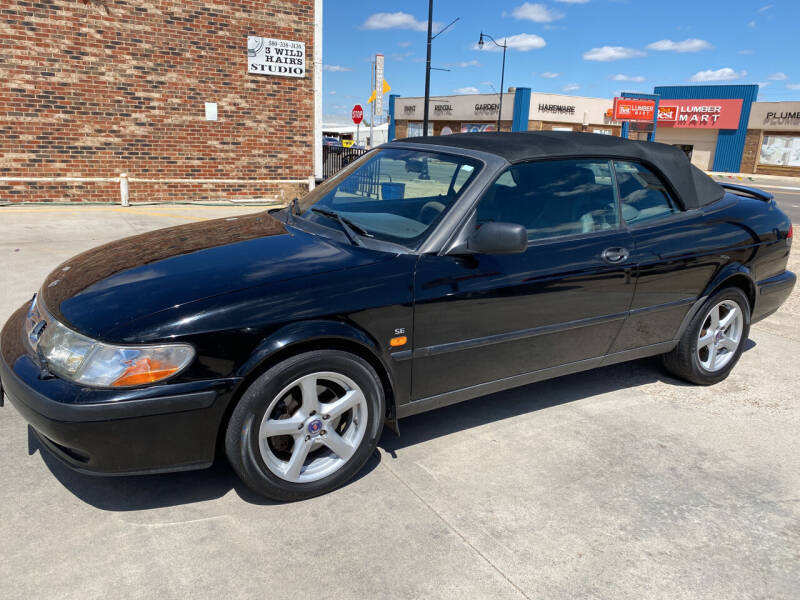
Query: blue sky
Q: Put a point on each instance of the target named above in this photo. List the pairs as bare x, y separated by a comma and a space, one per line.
581, 47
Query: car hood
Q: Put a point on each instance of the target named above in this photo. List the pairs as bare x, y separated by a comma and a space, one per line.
137, 276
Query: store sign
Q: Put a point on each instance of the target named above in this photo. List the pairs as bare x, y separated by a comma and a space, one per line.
268, 56
410, 109
700, 114
561, 109
439, 108
491, 107
626, 109
379, 61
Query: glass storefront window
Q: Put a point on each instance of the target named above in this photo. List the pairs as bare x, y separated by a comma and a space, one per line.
780, 150
415, 129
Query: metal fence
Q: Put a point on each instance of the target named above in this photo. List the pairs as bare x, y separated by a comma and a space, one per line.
335, 158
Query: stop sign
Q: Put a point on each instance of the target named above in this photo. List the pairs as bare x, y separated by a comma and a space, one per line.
358, 114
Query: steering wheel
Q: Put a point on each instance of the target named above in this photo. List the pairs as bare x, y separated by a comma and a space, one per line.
429, 211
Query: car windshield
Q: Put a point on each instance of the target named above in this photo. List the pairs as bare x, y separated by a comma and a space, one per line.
392, 194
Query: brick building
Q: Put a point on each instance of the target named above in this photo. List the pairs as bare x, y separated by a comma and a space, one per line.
171, 92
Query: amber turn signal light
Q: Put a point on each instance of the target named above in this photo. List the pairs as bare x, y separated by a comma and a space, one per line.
143, 371
398, 341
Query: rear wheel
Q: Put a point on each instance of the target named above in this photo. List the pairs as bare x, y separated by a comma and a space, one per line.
307, 425
714, 340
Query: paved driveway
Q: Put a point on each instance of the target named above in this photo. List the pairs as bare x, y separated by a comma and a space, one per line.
616, 483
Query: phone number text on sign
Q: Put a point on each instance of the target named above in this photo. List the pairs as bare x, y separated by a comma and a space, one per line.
268, 56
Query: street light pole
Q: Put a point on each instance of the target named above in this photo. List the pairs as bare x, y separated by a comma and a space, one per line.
502, 72
428, 70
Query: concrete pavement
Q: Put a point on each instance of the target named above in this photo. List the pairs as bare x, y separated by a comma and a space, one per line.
615, 483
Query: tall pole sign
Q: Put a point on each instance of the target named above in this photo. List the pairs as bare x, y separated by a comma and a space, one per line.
379, 85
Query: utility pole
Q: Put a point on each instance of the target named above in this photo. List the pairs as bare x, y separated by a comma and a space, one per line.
428, 70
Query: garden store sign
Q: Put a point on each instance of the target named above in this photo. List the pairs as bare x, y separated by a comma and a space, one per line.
268, 56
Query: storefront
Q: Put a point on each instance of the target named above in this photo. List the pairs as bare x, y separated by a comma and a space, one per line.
708, 122
452, 114
772, 146
556, 112
522, 111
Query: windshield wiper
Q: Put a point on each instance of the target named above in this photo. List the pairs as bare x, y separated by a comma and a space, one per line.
350, 229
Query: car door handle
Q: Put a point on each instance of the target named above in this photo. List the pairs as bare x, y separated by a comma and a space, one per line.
614, 256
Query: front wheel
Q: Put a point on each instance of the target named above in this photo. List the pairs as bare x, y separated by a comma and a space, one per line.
307, 425
714, 339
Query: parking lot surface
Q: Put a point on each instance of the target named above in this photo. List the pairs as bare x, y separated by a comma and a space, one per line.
616, 483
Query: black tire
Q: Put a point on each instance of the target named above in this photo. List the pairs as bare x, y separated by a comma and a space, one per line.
241, 439
684, 361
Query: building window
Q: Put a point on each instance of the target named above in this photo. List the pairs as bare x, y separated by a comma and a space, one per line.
601, 131
415, 129
780, 150
555, 128
477, 127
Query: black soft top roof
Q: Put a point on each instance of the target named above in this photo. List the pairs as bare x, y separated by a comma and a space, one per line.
693, 187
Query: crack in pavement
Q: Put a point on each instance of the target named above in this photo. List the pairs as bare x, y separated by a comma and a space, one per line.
450, 526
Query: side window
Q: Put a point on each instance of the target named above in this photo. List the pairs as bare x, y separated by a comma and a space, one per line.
642, 194
553, 198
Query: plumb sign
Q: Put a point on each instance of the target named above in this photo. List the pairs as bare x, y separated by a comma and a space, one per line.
268, 56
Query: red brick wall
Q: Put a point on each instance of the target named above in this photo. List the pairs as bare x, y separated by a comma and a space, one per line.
94, 88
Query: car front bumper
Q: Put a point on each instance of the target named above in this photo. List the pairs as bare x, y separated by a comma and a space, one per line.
162, 428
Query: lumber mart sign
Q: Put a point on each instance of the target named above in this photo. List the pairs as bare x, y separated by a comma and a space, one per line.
700, 114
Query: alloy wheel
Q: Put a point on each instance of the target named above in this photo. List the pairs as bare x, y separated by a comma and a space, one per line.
312, 427
720, 335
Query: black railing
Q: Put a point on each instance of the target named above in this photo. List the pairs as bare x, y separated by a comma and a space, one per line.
336, 158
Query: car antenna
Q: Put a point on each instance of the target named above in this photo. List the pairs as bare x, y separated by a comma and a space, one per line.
295, 208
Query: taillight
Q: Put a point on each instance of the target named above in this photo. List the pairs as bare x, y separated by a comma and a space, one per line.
791, 230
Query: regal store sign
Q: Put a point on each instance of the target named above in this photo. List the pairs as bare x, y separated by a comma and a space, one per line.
700, 114
268, 56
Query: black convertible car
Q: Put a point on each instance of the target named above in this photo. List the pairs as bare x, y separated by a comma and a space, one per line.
430, 271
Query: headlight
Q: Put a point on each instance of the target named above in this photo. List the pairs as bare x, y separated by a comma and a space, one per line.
81, 359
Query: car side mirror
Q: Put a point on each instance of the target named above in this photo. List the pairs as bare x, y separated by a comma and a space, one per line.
499, 238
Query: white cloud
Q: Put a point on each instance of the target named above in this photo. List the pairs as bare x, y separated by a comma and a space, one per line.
538, 13
396, 20
489, 83
690, 45
763, 8
724, 74
763, 84
778, 76
745, 51
335, 68
793, 86
404, 44
609, 53
751, 24
621, 77
573, 1
570, 87
332, 92
464, 63
550, 75
467, 90
521, 41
